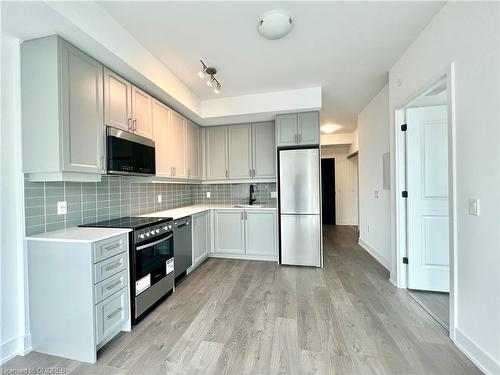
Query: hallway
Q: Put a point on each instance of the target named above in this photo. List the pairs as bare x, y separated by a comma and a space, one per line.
244, 317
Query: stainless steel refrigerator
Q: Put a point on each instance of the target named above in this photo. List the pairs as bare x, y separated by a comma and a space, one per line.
300, 207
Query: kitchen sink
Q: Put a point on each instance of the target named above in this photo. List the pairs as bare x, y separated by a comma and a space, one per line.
248, 206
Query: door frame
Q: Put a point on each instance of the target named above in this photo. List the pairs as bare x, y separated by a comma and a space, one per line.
401, 250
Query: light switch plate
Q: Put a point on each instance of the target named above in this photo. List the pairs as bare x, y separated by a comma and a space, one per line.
62, 208
159, 198
274, 194
474, 206
377, 194
208, 194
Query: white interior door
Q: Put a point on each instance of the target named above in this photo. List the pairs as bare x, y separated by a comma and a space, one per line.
427, 171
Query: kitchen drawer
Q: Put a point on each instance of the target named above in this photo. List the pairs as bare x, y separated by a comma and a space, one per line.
109, 247
111, 285
109, 267
111, 314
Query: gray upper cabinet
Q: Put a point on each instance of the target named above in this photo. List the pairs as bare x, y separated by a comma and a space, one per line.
297, 129
117, 101
177, 145
308, 128
126, 107
240, 151
193, 151
161, 135
216, 143
62, 110
263, 150
286, 129
141, 111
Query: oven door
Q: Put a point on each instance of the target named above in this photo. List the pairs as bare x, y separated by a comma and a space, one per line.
153, 261
129, 154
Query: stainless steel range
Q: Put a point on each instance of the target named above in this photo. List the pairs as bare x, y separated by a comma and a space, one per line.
151, 260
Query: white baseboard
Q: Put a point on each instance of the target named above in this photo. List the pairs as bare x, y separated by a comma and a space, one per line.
376, 254
20, 345
476, 354
267, 258
9, 349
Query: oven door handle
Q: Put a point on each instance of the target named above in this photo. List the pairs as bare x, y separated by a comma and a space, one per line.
153, 243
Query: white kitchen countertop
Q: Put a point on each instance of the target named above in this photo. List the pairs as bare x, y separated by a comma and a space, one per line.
77, 234
177, 213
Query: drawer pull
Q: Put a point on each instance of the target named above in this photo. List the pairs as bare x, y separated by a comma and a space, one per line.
115, 284
107, 248
117, 264
115, 313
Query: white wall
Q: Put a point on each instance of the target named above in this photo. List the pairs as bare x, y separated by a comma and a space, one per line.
13, 338
343, 183
374, 213
467, 34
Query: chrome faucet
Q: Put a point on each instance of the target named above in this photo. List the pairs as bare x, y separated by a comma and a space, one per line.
252, 194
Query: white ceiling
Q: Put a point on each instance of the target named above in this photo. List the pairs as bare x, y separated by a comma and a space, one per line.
345, 47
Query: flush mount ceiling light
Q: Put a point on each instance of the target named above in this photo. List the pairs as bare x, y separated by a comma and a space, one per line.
275, 24
211, 81
329, 128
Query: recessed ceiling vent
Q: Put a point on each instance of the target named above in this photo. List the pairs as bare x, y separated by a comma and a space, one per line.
275, 24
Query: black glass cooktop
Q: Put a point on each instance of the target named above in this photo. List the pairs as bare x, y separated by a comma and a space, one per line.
129, 222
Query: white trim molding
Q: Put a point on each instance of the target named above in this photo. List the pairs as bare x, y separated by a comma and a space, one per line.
376, 254
476, 354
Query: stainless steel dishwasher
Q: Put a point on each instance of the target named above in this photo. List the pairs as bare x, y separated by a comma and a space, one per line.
183, 252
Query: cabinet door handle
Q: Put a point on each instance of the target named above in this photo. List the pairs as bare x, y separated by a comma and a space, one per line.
129, 121
134, 124
114, 313
227, 173
117, 264
111, 286
242, 215
300, 138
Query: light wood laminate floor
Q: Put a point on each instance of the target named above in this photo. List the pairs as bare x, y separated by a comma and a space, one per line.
436, 303
244, 317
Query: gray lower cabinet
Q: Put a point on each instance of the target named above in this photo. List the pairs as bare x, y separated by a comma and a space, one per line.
260, 233
79, 295
229, 231
246, 233
297, 129
62, 111
201, 237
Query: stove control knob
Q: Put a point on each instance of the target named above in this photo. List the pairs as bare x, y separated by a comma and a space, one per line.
170, 226
147, 234
141, 236
157, 231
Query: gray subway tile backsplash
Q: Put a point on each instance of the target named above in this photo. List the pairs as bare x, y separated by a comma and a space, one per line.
117, 196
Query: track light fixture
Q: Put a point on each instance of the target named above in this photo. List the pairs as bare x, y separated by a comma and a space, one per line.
211, 81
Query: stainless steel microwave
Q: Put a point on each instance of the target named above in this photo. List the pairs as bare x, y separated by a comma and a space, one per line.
129, 154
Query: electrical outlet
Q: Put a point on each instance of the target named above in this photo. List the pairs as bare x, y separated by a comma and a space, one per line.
474, 206
274, 194
208, 194
159, 198
62, 208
